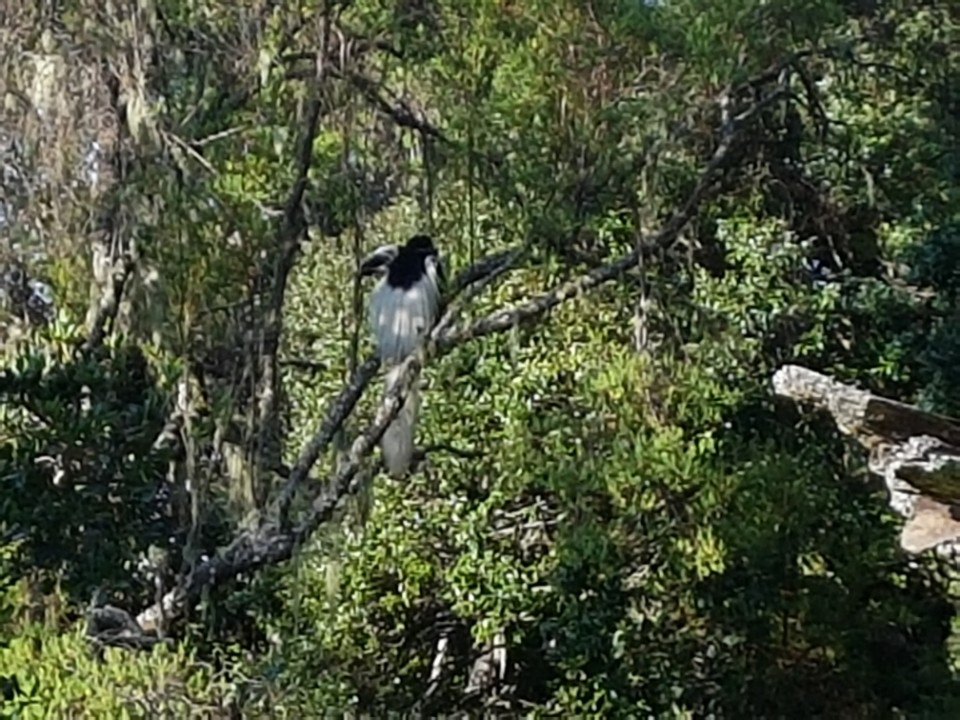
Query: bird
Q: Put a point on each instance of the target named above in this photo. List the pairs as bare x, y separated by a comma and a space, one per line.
403, 308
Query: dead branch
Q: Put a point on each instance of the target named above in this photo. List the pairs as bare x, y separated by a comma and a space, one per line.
342, 406
337, 412
289, 233
872, 420
399, 110
917, 453
112, 626
272, 543
502, 320
267, 544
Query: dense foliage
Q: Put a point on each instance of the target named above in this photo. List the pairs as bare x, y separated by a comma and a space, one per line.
612, 505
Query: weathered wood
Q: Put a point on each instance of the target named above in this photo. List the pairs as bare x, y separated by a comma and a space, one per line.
931, 524
916, 452
867, 417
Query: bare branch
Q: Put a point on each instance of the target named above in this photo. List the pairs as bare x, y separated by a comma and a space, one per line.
402, 114
502, 320
488, 267
268, 545
324, 504
342, 406
338, 411
288, 243
273, 543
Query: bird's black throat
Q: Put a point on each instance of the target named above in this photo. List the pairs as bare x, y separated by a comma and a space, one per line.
409, 267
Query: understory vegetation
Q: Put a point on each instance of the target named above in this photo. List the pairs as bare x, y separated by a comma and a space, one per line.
645, 209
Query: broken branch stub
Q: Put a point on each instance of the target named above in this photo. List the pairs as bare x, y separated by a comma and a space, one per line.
916, 452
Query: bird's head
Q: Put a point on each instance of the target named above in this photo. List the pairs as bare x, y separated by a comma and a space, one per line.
379, 261
422, 244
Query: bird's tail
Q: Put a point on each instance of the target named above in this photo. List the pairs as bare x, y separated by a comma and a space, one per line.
397, 442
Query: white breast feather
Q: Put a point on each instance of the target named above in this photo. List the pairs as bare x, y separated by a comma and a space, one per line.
400, 318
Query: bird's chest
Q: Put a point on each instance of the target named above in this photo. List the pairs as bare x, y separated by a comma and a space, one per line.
400, 317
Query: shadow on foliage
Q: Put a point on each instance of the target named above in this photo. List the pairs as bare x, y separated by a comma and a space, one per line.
812, 611
826, 617
84, 494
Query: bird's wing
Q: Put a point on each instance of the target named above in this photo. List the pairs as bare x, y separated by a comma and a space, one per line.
376, 263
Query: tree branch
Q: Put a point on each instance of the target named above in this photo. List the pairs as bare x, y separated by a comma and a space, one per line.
339, 410
401, 113
288, 243
273, 542
502, 320
108, 304
916, 453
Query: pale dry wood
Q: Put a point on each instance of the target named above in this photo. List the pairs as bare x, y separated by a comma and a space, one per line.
916, 452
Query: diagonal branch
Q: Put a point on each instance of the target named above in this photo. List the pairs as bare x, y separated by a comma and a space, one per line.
502, 320
270, 544
400, 111
337, 412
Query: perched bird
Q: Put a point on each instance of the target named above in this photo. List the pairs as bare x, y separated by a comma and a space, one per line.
403, 308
